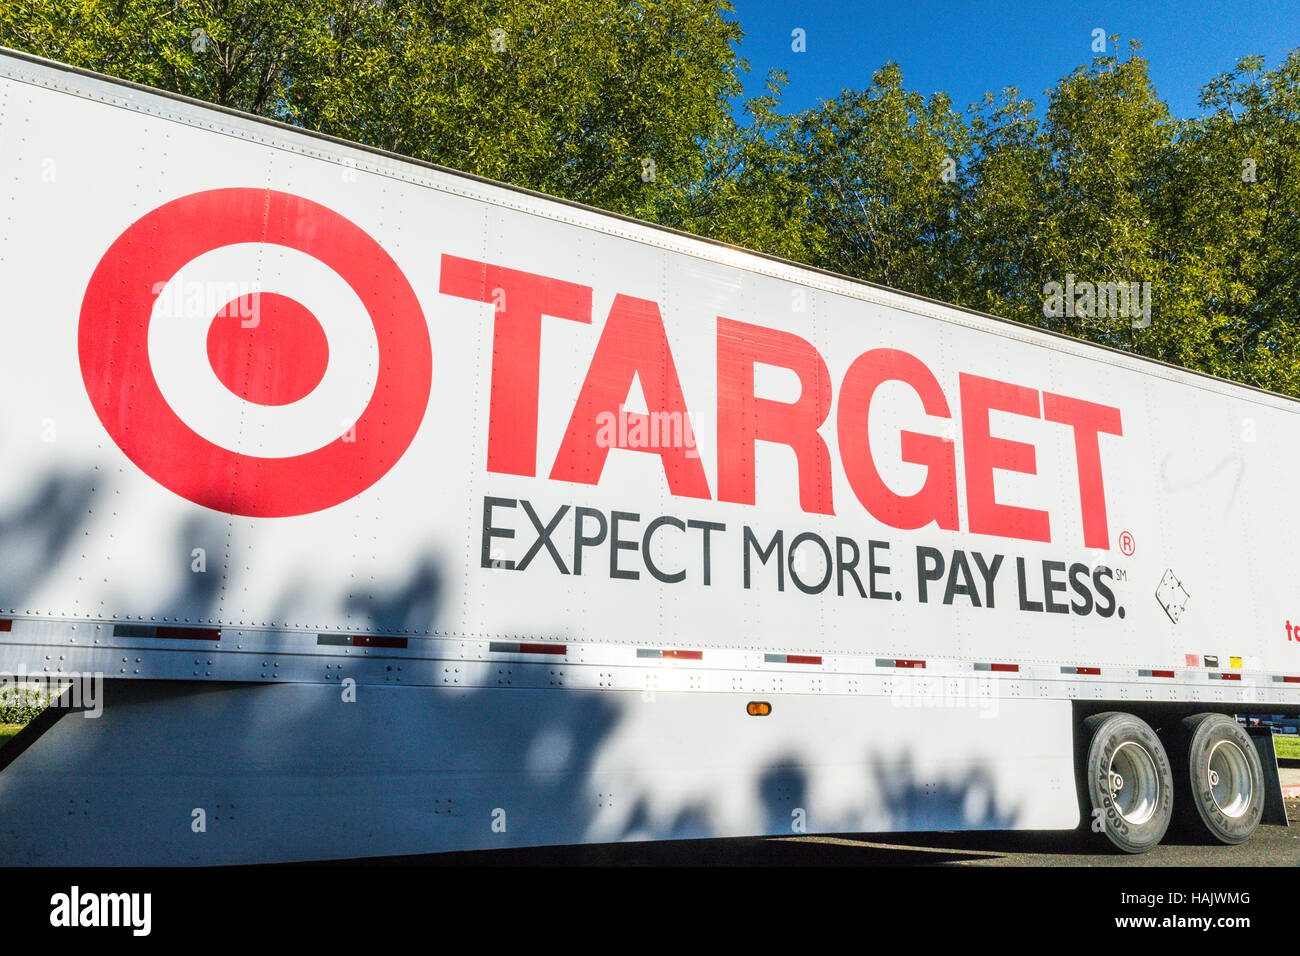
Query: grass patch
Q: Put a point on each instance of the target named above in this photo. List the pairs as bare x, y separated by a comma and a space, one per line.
1287, 747
7, 731
21, 704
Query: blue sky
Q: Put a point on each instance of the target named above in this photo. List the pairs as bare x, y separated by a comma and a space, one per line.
965, 48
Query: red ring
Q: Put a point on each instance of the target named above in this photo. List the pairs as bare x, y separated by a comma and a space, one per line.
113, 343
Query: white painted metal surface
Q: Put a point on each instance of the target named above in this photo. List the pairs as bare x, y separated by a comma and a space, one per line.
136, 501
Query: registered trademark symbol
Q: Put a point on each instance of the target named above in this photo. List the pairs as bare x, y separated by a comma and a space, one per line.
1127, 544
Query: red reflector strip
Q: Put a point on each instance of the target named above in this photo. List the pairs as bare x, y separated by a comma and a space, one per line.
167, 633
543, 649
1006, 668
1288, 680
898, 662
1225, 677
6, 624
790, 659
190, 633
509, 647
373, 640
1095, 671
685, 655
1145, 673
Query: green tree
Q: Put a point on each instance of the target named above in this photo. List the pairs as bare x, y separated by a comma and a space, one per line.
596, 100
635, 107
1070, 198
883, 167
1000, 256
751, 190
1231, 215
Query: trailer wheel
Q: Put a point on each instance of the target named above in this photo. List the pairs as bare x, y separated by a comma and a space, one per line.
1222, 782
1129, 782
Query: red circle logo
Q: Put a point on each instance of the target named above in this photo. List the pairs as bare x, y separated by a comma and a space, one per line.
277, 360
282, 361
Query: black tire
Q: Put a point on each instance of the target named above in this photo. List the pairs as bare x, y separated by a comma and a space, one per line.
1220, 779
1128, 782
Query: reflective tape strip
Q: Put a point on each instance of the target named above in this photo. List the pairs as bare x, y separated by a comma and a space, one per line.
1095, 671
791, 659
508, 647
1146, 673
1222, 676
167, 633
6, 624
674, 655
375, 640
1006, 668
1286, 680
358, 640
898, 662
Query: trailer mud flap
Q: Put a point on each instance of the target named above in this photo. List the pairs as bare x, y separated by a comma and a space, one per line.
1274, 805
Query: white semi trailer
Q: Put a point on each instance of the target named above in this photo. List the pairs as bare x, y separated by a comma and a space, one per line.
364, 507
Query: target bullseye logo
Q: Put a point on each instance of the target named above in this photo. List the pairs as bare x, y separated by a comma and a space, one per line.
277, 360
267, 349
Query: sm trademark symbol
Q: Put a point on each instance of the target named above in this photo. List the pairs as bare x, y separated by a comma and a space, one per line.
1127, 544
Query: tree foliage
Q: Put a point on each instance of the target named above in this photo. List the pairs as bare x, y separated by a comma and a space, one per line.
1105, 187
565, 96
584, 99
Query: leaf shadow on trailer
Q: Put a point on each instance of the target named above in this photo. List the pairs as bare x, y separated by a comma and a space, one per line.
130, 781
782, 788
42, 533
965, 802
37, 533
418, 768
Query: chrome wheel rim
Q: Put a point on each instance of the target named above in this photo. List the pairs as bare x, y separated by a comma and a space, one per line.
1134, 783
1231, 784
